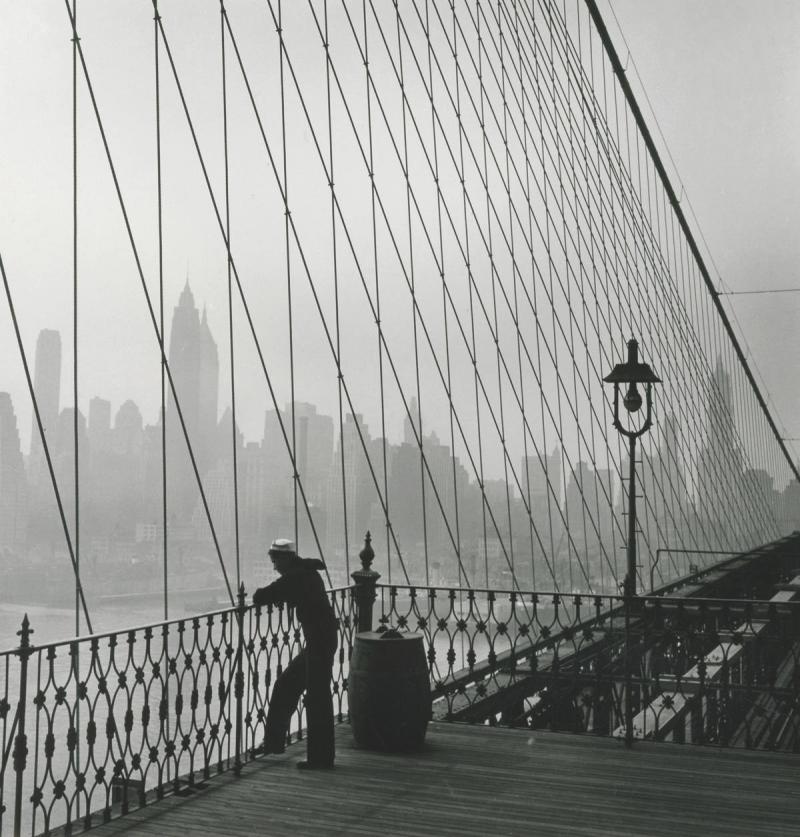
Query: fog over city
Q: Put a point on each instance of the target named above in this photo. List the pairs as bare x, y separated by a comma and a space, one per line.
452, 309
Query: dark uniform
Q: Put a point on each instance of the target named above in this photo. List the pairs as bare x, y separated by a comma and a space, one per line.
301, 587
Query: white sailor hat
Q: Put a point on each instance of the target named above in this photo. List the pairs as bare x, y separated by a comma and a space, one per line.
282, 547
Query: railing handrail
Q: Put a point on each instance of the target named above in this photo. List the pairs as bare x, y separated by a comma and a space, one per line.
82, 638
560, 597
694, 603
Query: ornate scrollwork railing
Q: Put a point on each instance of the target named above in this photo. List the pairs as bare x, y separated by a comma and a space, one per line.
95, 726
710, 671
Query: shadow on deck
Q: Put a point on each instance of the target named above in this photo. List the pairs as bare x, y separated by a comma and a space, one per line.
480, 780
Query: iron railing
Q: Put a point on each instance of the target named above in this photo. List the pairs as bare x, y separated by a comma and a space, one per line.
680, 669
93, 727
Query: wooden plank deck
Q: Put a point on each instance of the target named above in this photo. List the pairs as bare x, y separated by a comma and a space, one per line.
488, 781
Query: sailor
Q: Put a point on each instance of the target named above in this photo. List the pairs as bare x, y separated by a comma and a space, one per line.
300, 586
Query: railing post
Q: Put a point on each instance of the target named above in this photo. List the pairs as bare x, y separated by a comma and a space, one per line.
238, 683
21, 741
365, 580
628, 673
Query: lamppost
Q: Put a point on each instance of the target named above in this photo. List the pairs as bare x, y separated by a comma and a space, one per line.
632, 373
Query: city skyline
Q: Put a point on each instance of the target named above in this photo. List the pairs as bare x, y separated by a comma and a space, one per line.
551, 517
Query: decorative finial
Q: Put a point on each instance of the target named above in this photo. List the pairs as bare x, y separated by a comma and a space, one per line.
25, 632
367, 554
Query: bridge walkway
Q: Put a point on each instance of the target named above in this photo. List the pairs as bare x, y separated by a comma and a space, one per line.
480, 780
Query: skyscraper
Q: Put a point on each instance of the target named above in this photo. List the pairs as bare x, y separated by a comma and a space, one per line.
721, 499
194, 364
47, 388
13, 487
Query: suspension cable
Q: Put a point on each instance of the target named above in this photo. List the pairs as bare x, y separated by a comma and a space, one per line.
160, 217
75, 443
676, 207
234, 440
150, 309
45, 447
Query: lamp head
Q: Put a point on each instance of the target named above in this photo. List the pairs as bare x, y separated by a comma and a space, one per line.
633, 399
632, 372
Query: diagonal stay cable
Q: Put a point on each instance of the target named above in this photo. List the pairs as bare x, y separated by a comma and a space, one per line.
647, 138
643, 233
515, 266
485, 313
324, 323
646, 232
451, 49
597, 132
236, 277
150, 309
479, 296
461, 328
45, 446
446, 291
406, 277
570, 63
360, 272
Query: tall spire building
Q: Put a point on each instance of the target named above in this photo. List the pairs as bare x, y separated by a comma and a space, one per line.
194, 364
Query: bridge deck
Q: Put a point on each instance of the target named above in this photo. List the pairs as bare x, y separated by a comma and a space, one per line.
479, 781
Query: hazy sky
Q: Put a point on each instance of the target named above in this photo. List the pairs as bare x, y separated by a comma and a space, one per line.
723, 77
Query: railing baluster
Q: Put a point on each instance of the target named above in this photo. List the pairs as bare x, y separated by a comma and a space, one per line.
21, 742
239, 677
628, 674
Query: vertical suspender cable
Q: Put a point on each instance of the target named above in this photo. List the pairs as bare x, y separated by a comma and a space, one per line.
164, 539
418, 416
76, 447
146, 292
548, 190
552, 492
162, 364
336, 291
230, 299
472, 344
442, 269
483, 96
75, 315
378, 325
504, 48
676, 207
295, 474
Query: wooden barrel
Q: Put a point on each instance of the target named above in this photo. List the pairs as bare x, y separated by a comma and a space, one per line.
389, 691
